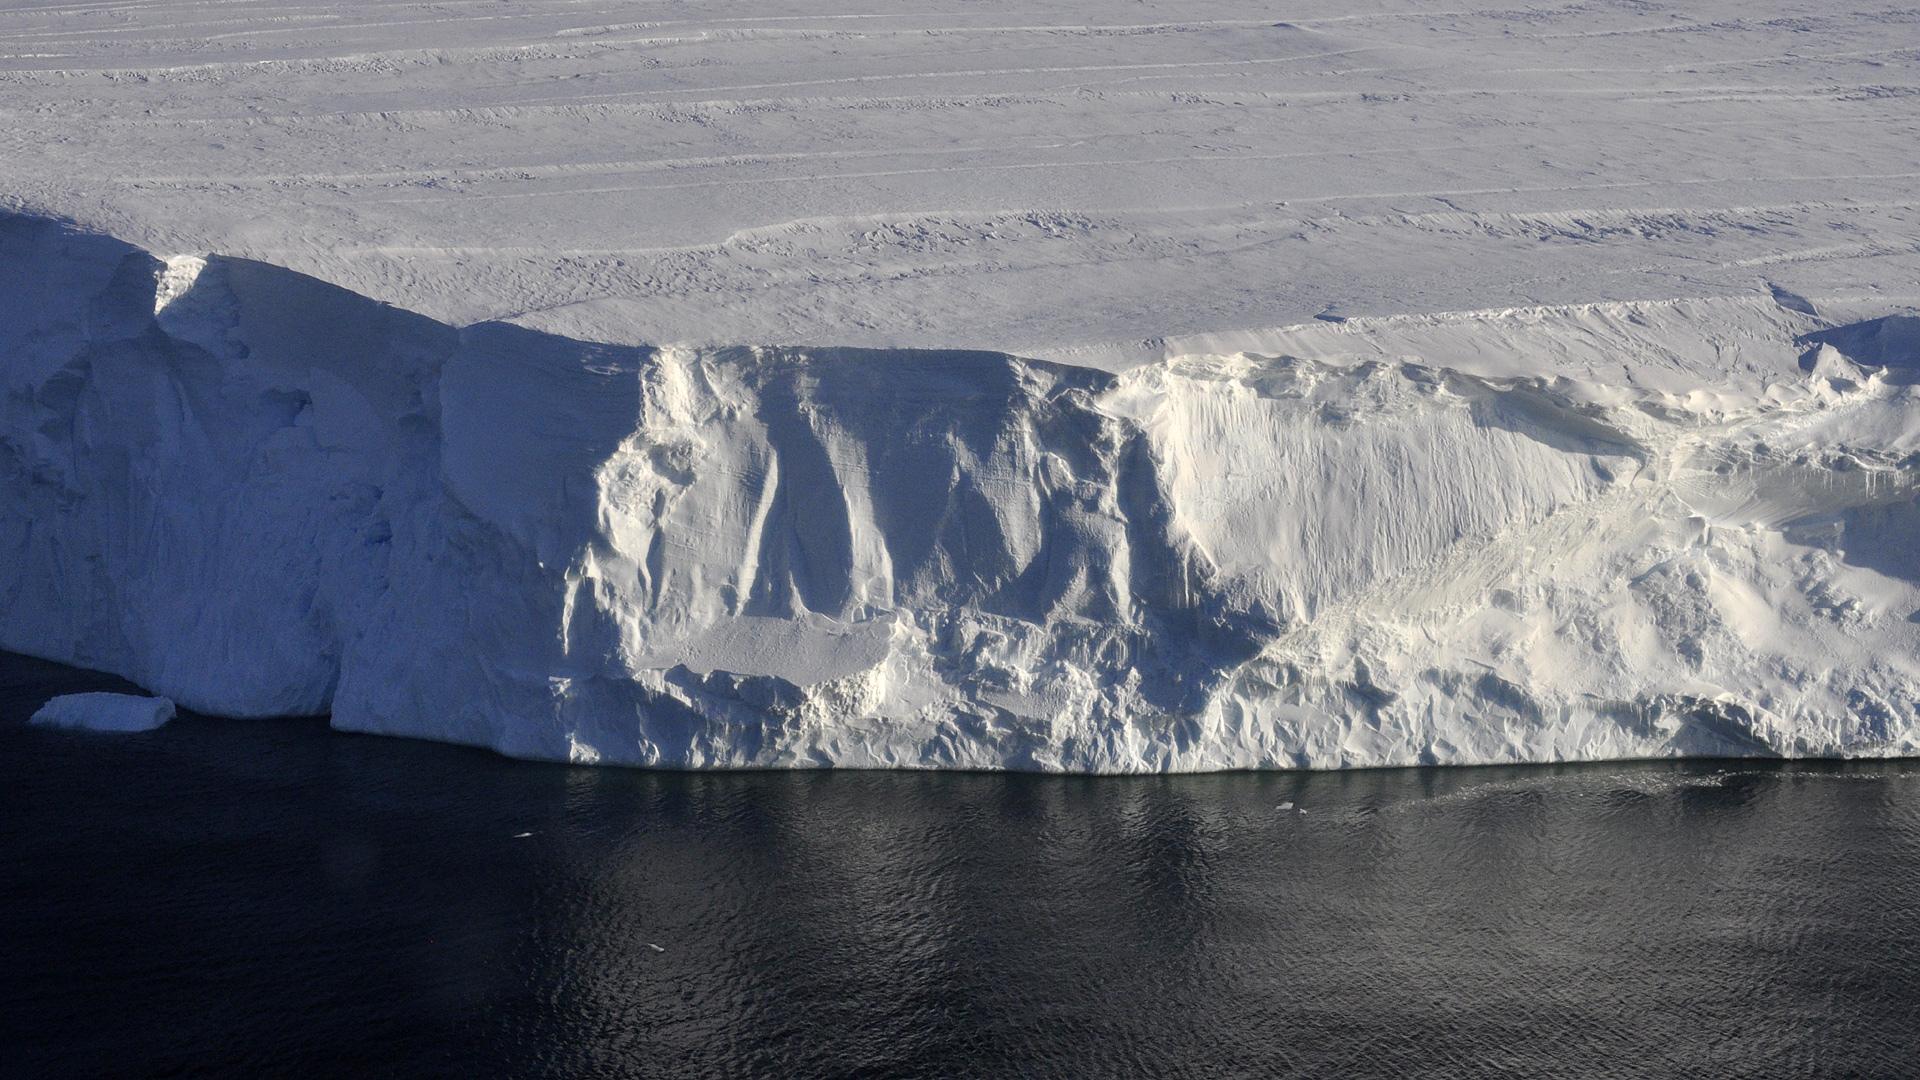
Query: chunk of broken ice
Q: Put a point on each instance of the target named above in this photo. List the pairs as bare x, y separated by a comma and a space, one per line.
105, 712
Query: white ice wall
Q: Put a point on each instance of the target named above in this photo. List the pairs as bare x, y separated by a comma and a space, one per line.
260, 494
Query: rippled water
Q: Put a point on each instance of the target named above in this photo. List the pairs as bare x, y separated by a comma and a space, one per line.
273, 898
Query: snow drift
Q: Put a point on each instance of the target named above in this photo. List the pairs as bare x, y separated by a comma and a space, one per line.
1546, 534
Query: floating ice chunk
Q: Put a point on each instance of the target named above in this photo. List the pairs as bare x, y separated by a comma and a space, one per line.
105, 712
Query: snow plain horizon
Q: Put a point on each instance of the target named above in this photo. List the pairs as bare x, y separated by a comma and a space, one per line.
1027, 178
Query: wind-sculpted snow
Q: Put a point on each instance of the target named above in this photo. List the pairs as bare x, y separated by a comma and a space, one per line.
1687, 528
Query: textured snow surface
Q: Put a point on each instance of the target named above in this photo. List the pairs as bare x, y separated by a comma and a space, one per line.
1138, 386
1039, 177
105, 712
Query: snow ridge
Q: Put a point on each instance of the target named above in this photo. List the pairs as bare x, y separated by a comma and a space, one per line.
1687, 529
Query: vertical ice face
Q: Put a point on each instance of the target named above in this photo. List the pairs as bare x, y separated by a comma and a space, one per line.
1380, 544
197, 491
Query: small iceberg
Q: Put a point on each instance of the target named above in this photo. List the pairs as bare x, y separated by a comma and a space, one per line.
105, 712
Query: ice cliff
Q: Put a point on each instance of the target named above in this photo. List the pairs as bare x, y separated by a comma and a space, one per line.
1545, 534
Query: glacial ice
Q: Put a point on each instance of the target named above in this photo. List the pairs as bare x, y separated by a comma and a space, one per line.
1560, 533
105, 712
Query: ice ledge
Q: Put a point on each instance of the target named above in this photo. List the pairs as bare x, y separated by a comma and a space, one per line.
1548, 535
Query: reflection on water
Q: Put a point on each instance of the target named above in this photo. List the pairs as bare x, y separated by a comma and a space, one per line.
273, 897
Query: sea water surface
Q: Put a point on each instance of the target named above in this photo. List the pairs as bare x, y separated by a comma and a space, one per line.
274, 898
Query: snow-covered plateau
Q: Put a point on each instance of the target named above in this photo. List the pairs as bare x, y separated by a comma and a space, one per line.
1064, 386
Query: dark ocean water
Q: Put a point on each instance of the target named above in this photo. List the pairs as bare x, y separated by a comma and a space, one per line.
275, 899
